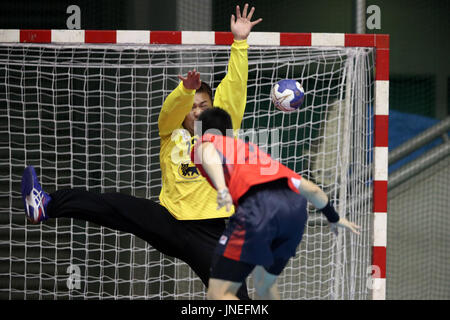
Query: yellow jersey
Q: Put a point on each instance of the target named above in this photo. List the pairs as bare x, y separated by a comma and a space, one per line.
185, 193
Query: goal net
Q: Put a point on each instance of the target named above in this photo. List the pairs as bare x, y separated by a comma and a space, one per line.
85, 116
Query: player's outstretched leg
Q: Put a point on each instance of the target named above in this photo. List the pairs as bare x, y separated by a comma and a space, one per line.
35, 200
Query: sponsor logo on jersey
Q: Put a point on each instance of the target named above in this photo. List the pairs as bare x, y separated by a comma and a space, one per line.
188, 171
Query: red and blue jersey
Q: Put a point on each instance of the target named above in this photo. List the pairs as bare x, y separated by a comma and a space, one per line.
245, 165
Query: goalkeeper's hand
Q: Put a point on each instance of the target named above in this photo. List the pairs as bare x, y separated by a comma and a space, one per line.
344, 223
224, 199
241, 25
192, 80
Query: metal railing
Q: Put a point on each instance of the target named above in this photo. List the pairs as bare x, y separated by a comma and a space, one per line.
424, 161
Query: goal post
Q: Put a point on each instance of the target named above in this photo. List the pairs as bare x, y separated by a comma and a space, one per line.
82, 107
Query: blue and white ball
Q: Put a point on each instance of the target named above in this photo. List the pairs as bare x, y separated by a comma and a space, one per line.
287, 95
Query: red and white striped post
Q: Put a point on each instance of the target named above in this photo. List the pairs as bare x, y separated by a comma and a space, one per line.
379, 42
380, 185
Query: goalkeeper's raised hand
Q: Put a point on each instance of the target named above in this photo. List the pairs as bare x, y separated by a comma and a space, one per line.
192, 80
241, 25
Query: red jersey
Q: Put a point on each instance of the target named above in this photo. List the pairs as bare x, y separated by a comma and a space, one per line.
244, 165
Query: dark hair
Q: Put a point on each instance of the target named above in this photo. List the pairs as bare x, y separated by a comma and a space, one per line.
204, 87
215, 118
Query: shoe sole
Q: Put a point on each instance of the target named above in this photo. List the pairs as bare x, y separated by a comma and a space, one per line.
27, 186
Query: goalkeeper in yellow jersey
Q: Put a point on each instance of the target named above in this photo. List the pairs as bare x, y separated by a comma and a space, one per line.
186, 224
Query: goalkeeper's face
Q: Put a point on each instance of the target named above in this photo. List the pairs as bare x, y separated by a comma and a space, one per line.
202, 101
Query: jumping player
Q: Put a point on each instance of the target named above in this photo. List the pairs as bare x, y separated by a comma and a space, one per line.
270, 216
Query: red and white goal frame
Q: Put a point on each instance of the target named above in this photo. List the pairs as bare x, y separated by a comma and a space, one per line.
380, 42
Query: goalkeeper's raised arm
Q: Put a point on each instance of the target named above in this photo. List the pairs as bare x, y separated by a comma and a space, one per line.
181, 108
231, 94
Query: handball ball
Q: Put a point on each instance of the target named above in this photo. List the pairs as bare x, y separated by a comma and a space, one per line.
287, 95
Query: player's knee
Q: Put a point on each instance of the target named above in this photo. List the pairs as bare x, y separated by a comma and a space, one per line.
210, 294
215, 290
261, 291
262, 288
264, 285
214, 294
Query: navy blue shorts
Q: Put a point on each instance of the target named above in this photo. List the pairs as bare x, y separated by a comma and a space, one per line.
265, 230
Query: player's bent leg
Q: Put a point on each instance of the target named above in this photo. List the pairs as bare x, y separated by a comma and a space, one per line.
222, 289
203, 236
227, 277
265, 284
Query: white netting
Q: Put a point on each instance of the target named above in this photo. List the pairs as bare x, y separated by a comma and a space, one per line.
418, 230
86, 116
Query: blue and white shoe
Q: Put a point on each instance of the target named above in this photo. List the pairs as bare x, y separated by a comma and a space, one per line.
35, 200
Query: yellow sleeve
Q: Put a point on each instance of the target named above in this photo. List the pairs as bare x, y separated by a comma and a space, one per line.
175, 108
231, 94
